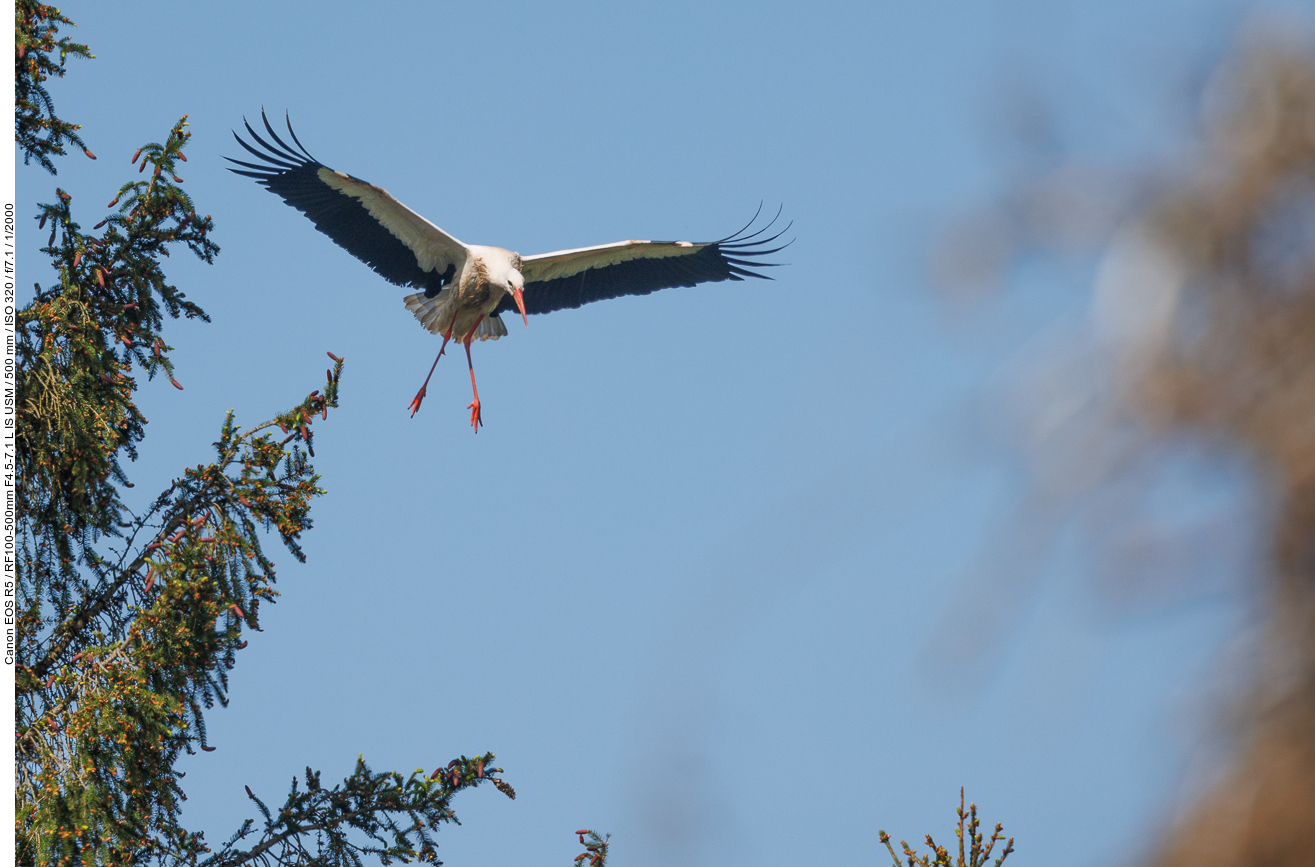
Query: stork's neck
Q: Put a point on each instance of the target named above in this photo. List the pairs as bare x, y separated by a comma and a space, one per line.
495, 264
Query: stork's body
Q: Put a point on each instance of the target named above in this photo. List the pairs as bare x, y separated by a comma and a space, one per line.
465, 308
464, 287
485, 277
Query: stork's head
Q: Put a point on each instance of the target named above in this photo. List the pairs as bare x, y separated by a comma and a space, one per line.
516, 286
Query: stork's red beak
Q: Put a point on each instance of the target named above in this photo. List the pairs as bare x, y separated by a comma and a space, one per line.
519, 295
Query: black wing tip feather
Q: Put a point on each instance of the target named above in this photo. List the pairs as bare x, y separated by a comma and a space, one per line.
733, 248
740, 238
276, 160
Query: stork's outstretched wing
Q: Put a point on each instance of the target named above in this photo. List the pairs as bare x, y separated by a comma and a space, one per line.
569, 278
402, 246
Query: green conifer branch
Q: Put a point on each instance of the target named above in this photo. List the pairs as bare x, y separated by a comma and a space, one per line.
37, 131
392, 817
968, 832
595, 849
172, 626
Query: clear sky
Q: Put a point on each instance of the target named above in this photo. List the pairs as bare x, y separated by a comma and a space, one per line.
686, 581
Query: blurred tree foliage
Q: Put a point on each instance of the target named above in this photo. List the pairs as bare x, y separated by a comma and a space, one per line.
1202, 329
129, 619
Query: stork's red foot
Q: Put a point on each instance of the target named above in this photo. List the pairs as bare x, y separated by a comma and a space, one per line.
415, 401
420, 395
475, 420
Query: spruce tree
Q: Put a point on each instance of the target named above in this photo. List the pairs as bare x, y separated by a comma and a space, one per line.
130, 620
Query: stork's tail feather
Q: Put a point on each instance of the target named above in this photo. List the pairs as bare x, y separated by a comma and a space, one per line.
491, 328
436, 315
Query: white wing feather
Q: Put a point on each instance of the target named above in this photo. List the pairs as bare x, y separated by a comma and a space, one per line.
434, 248
565, 263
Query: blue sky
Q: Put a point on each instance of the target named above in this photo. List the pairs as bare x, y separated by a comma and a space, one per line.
687, 579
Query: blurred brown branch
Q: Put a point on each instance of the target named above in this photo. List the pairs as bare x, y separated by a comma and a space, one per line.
1202, 330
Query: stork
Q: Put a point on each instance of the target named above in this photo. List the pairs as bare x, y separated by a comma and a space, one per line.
465, 287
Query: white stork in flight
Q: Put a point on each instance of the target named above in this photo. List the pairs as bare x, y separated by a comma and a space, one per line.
464, 287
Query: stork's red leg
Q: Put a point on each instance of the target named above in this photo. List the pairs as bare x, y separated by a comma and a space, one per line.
475, 420
420, 395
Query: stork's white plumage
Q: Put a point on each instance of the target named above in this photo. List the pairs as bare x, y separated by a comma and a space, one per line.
464, 287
